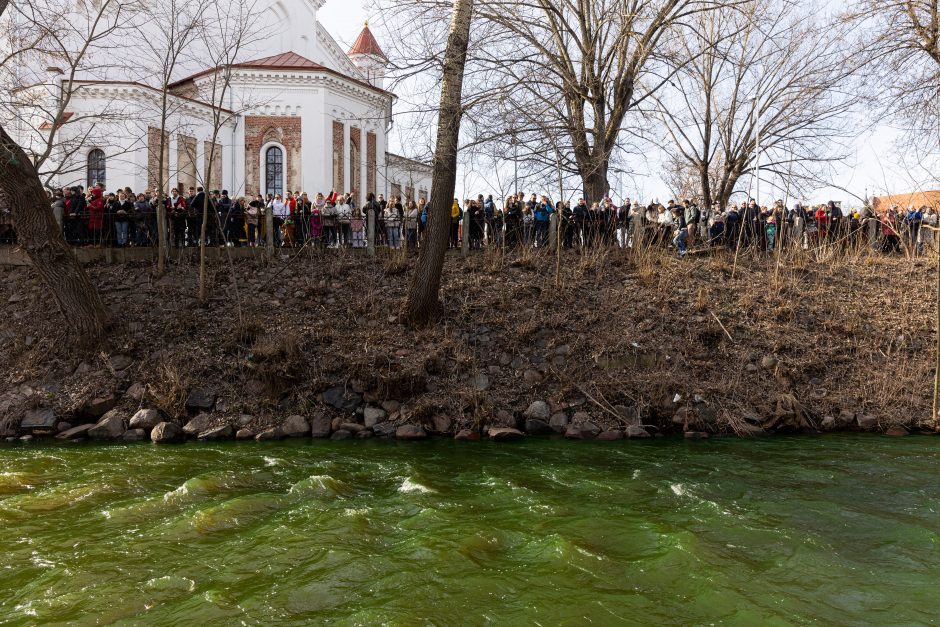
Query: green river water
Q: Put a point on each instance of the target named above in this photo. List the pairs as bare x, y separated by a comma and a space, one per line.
831, 530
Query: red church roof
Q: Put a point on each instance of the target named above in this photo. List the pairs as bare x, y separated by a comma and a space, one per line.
366, 44
283, 61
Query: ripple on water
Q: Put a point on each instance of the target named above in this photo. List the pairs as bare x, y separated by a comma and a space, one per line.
322, 486
234, 513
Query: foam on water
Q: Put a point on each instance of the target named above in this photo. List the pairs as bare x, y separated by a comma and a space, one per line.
409, 486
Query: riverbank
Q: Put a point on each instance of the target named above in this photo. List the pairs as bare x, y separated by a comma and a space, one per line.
621, 345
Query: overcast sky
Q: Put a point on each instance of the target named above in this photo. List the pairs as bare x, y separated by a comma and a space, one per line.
877, 165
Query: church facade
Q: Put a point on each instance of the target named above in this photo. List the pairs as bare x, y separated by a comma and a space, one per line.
300, 115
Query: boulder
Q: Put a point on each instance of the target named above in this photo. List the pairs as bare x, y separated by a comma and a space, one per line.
535, 426
365, 434
295, 427
845, 419
145, 419
384, 429
166, 432
243, 420
136, 392
442, 423
245, 434
372, 416
26, 438
559, 422
336, 423
342, 399
225, 432
320, 426
41, 420
63, 426
610, 435
504, 434
274, 433
390, 406
134, 435
532, 376
696, 435
636, 431
352, 427
866, 422
110, 427
120, 362
573, 433
99, 406
896, 431
538, 410
341, 434
828, 423
410, 432
503, 418
200, 400
480, 383
590, 430
467, 434
202, 422
769, 362
74, 433
683, 416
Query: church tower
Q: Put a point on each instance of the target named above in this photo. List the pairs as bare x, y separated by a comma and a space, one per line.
369, 58
290, 26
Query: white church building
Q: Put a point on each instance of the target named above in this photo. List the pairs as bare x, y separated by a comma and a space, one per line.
300, 114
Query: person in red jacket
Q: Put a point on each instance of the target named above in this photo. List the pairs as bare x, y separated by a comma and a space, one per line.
96, 215
822, 224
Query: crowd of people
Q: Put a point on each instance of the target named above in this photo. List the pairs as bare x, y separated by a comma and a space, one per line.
99, 218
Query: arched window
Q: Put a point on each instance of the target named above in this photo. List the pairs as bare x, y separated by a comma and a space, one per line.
274, 170
96, 168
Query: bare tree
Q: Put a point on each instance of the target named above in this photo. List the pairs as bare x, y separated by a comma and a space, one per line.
763, 73
423, 305
169, 31
40, 236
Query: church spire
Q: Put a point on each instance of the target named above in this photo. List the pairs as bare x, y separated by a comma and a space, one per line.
366, 44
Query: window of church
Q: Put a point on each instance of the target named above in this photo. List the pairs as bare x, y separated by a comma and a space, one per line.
96, 168
274, 170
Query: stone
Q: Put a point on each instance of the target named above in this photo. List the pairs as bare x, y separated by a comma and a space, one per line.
467, 434
253, 387
828, 423
536, 426
590, 430
200, 400
372, 416
503, 418
696, 435
26, 438
636, 431
441, 423
573, 432
365, 433
342, 399
609, 435
564, 349
532, 376
76, 432
866, 422
110, 427
120, 362
336, 422
243, 420
136, 392
683, 416
320, 426
244, 434
274, 433
504, 434
225, 432
134, 435
166, 432
39, 420
480, 383
896, 431
751, 368
769, 362
98, 407
517, 362
144, 419
63, 426
538, 410
352, 427
202, 422
384, 429
295, 427
390, 407
410, 432
845, 419
559, 422
341, 434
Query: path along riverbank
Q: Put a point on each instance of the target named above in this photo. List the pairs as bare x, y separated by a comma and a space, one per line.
620, 345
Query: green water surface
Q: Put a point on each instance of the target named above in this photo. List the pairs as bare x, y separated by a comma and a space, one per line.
833, 530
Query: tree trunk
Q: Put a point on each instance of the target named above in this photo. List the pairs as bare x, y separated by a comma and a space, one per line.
423, 305
595, 183
269, 232
706, 188
39, 235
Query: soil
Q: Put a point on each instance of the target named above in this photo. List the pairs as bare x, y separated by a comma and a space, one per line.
810, 342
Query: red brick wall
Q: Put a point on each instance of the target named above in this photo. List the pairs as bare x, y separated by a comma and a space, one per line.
338, 157
261, 129
370, 163
213, 179
355, 163
185, 163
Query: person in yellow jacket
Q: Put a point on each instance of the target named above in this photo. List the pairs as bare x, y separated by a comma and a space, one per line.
455, 214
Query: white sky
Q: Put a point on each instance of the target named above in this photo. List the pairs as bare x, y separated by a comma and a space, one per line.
878, 166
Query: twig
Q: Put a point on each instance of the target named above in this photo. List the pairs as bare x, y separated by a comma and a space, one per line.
722, 326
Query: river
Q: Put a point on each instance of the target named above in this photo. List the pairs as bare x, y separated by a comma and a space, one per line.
841, 529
